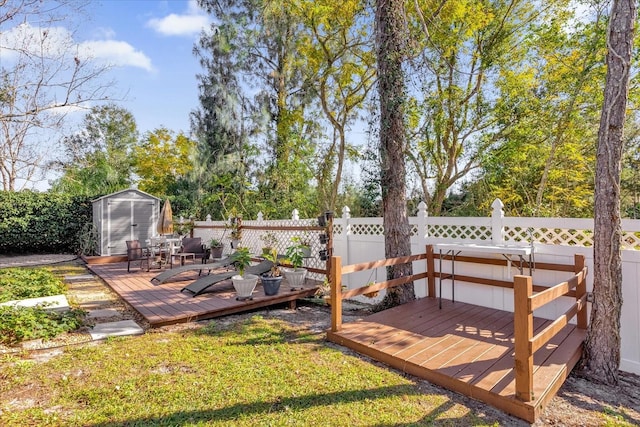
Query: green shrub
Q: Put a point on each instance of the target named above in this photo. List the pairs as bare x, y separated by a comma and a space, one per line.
22, 283
26, 323
32, 222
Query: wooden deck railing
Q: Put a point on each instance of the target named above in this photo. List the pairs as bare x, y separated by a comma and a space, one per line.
337, 270
526, 302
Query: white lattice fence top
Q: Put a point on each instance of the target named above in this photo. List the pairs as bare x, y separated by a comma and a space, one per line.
565, 236
459, 232
367, 229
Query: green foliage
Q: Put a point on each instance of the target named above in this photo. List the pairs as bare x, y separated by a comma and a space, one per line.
33, 222
22, 283
26, 323
272, 255
161, 159
99, 158
295, 252
242, 259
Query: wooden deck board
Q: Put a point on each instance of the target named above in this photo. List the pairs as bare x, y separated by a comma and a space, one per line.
465, 348
164, 304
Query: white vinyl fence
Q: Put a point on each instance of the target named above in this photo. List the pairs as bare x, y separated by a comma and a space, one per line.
555, 240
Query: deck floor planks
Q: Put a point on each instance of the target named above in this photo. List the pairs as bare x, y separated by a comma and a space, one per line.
164, 304
464, 348
439, 336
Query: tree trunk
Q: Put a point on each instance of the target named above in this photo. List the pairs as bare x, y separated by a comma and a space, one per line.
602, 347
390, 37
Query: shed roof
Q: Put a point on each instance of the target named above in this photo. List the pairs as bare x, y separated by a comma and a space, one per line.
142, 193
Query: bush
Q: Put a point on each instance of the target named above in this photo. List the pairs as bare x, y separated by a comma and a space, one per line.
22, 283
32, 222
26, 323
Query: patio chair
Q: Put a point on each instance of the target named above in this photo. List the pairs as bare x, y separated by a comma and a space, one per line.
135, 252
192, 247
203, 283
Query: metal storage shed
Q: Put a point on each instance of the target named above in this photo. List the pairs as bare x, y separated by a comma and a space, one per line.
125, 215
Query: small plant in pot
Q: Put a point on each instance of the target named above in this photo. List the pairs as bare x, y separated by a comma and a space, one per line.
271, 280
216, 247
244, 284
296, 254
269, 239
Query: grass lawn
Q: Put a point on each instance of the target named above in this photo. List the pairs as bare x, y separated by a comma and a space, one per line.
259, 371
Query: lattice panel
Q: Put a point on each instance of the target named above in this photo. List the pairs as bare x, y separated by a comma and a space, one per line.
464, 232
561, 236
631, 240
519, 234
367, 229
252, 239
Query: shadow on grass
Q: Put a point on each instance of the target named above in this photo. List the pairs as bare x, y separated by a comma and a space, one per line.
263, 408
259, 330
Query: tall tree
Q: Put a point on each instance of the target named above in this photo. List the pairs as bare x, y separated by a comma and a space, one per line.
391, 38
602, 347
460, 49
43, 77
336, 47
260, 52
162, 159
99, 157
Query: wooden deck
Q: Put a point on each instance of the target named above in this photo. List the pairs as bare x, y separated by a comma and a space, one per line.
465, 348
164, 304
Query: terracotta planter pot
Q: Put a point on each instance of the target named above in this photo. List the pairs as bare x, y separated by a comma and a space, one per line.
244, 285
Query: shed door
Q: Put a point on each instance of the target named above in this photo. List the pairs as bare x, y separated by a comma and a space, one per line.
128, 220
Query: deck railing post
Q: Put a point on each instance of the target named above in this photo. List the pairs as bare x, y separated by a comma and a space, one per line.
336, 293
581, 290
523, 333
431, 278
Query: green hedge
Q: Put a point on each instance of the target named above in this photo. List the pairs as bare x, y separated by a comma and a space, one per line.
32, 222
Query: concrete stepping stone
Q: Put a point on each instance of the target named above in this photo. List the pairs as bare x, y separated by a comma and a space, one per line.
56, 303
79, 278
103, 313
116, 329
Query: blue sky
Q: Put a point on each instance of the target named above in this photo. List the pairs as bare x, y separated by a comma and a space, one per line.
150, 42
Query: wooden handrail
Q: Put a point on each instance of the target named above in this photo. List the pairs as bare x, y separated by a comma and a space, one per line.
554, 292
550, 331
381, 263
524, 305
382, 285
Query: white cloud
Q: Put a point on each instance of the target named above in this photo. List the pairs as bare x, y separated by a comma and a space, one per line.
56, 42
48, 42
116, 53
187, 24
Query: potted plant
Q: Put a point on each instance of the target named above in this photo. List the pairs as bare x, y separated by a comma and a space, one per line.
295, 254
244, 284
271, 280
269, 239
236, 231
216, 247
305, 242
